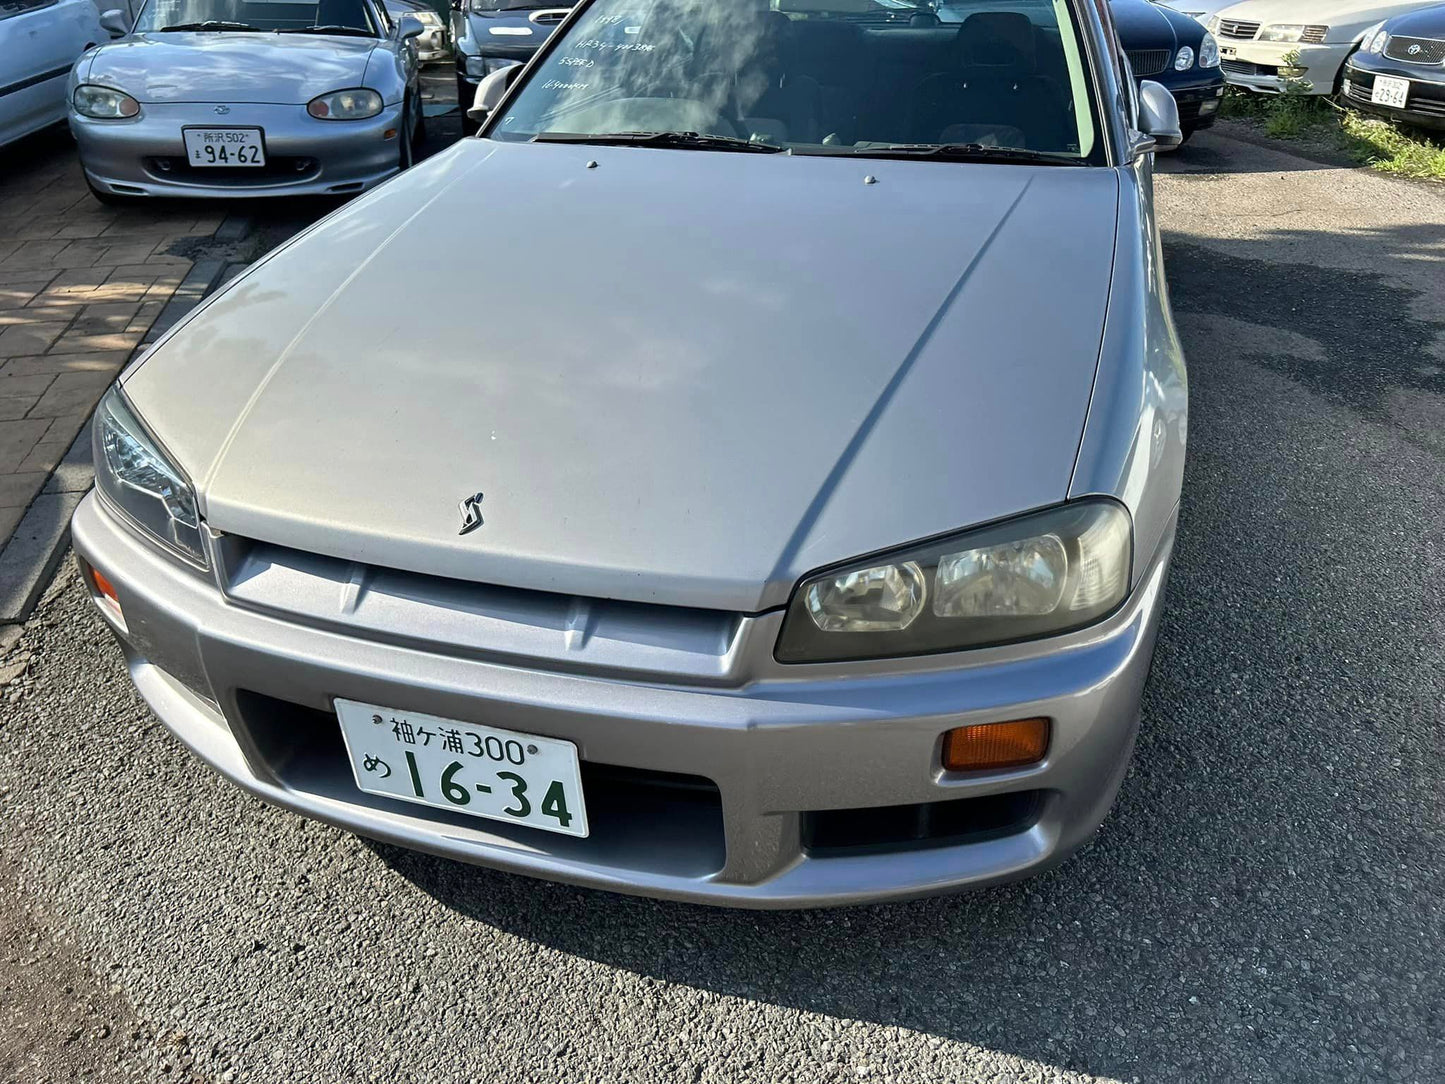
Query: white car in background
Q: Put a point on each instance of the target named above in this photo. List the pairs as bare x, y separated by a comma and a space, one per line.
1196, 9
1257, 40
39, 41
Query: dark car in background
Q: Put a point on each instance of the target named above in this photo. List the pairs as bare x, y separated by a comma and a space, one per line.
434, 42
1171, 48
1398, 72
489, 35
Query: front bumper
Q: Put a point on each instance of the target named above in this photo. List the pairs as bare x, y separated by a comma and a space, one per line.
794, 759
1255, 65
147, 156
1425, 105
1198, 103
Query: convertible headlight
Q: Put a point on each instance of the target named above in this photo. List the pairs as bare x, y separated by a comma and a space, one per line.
103, 103
345, 105
1037, 575
133, 473
1184, 59
480, 66
1208, 51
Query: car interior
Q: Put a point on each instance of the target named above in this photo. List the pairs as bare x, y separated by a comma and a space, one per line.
797, 74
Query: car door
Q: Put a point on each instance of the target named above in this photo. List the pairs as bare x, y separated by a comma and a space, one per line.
39, 41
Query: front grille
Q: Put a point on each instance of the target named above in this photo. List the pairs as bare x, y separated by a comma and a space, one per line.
1314, 35
1189, 111
277, 170
928, 824
1425, 50
1229, 28
1426, 105
662, 822
1359, 91
1147, 62
1244, 67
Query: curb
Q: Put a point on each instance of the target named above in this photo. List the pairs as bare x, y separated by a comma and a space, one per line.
30, 557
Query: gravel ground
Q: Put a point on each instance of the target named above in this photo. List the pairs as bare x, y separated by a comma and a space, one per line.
1263, 904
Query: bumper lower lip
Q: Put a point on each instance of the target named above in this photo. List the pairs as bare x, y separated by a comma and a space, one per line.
1322, 64
343, 157
774, 749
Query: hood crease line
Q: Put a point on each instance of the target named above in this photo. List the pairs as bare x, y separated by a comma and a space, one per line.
855, 444
265, 381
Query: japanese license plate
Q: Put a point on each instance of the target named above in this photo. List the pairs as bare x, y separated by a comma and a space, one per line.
1390, 91
465, 768
214, 147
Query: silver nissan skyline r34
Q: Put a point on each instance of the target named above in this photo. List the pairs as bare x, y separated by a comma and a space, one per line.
220, 98
777, 516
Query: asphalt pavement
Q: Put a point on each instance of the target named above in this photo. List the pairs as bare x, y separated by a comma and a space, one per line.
1264, 903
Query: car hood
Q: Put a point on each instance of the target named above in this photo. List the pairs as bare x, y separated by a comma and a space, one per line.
708, 374
280, 69
1345, 18
1425, 23
507, 33
1143, 25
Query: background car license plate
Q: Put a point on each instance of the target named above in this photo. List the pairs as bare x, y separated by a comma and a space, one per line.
498, 774
1390, 91
216, 147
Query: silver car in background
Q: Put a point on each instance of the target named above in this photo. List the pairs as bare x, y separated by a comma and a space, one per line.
774, 509
434, 42
222, 98
39, 41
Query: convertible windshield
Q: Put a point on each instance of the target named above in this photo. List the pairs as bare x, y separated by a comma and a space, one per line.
872, 78
345, 17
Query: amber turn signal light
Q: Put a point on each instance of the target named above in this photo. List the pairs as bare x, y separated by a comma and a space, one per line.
1013, 744
103, 590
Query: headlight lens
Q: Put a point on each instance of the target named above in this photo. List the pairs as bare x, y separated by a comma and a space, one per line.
1282, 32
480, 66
345, 105
1213, 24
1034, 576
1374, 39
1184, 59
1209, 52
135, 475
103, 103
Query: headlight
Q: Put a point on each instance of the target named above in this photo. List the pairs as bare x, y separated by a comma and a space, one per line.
479, 66
133, 472
1184, 59
1213, 25
1374, 39
345, 105
1282, 32
1037, 575
102, 103
1208, 52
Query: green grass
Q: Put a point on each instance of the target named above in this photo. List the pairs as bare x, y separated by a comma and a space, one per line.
1317, 119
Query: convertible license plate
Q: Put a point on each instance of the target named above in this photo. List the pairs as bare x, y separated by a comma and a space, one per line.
216, 147
1390, 91
465, 768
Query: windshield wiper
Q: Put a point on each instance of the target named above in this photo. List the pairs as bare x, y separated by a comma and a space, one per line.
973, 152
329, 28
213, 24
684, 140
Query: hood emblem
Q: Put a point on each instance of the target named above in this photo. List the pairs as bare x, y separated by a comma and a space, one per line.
222, 110
1413, 49
471, 508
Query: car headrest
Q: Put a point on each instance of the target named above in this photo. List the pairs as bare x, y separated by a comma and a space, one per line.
996, 39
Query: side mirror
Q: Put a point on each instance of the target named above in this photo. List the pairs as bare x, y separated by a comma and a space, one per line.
1158, 119
114, 21
410, 27
490, 92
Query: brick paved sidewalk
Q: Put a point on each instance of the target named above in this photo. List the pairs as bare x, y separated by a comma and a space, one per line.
80, 286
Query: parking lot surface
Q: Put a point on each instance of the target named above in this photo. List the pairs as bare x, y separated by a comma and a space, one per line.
1263, 903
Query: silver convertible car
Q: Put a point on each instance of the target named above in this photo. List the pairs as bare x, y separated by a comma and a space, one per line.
248, 98
783, 521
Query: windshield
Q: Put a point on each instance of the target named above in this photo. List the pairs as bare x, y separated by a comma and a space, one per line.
335, 16
880, 78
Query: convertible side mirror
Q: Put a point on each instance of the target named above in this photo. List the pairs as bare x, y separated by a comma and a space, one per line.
1158, 119
115, 22
490, 92
410, 27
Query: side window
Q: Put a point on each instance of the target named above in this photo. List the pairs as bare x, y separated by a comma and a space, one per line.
20, 7
384, 18
1129, 90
